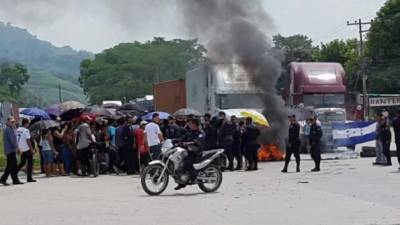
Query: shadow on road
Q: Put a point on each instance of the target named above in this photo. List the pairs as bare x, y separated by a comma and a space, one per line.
182, 194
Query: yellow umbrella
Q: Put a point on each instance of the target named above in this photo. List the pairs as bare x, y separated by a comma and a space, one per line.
256, 116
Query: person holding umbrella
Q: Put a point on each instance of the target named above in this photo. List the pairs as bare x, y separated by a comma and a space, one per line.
25, 146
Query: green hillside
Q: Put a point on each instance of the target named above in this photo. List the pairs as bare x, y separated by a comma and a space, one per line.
48, 66
44, 85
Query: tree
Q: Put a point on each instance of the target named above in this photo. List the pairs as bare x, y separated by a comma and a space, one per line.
13, 77
295, 48
384, 50
384, 35
129, 70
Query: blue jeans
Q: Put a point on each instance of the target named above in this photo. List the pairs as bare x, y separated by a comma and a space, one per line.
48, 157
155, 152
67, 158
380, 157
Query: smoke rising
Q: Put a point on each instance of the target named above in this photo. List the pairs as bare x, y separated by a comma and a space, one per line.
237, 31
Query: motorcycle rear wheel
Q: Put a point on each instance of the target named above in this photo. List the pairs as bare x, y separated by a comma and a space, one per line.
215, 173
152, 174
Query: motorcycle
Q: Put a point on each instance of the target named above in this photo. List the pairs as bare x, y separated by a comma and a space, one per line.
155, 176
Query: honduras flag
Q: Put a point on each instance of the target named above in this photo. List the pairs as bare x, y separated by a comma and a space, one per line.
350, 134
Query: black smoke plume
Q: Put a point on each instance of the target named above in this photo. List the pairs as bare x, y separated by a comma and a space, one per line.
238, 31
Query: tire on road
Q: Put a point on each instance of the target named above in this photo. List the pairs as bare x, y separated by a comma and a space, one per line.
216, 171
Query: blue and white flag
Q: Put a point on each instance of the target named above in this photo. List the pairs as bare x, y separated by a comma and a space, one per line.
350, 134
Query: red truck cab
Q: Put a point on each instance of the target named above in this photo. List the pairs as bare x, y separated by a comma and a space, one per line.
316, 84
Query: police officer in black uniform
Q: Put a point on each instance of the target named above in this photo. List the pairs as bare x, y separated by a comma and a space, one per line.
194, 141
315, 143
293, 145
236, 147
211, 133
225, 137
250, 143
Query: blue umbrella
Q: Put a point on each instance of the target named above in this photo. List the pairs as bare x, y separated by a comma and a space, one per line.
37, 113
149, 116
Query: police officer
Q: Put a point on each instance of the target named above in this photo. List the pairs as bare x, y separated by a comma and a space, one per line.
315, 143
194, 140
236, 147
293, 145
225, 137
211, 133
250, 142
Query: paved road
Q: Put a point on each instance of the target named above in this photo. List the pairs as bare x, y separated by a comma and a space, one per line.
347, 192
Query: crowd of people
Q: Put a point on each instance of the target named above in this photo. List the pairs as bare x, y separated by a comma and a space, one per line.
128, 144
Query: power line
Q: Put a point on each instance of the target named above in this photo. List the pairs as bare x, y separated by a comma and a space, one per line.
361, 31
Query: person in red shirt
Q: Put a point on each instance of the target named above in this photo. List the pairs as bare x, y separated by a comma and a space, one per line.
144, 153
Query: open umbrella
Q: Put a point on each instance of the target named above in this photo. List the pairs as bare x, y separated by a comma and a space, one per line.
71, 114
257, 117
187, 112
132, 112
53, 110
133, 106
43, 125
70, 105
98, 111
36, 113
111, 106
149, 116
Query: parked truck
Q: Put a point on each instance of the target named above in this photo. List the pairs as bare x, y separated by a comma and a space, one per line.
208, 88
169, 96
322, 87
214, 87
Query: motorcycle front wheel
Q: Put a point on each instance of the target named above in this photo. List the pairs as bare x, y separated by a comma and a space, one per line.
153, 182
212, 179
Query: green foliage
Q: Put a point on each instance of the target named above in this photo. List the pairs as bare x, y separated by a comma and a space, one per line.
384, 50
129, 70
296, 47
19, 45
13, 77
384, 35
48, 66
42, 90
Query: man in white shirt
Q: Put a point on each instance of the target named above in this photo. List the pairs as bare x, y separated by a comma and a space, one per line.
25, 146
154, 137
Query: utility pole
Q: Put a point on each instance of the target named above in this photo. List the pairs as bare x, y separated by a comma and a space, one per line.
59, 93
360, 25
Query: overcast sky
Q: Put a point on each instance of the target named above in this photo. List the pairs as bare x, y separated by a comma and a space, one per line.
95, 25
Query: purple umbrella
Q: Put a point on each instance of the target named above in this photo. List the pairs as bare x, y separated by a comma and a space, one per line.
53, 110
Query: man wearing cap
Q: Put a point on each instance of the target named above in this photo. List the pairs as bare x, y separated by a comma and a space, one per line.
10, 150
293, 144
315, 143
